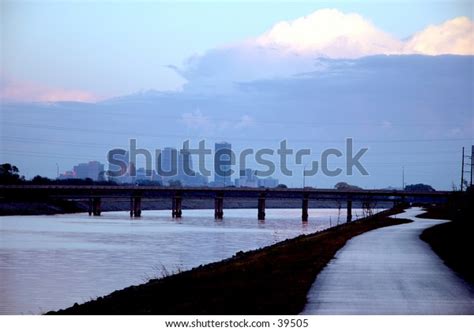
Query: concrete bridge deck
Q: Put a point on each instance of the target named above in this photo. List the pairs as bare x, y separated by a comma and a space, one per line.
390, 271
95, 194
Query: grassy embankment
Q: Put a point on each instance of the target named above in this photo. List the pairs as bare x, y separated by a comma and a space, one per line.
44, 206
453, 241
271, 280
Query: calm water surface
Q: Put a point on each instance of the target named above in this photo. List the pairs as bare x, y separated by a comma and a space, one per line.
51, 262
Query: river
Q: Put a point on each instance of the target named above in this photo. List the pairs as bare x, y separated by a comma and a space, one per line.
51, 262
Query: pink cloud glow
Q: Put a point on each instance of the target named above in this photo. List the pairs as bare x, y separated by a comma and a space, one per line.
17, 91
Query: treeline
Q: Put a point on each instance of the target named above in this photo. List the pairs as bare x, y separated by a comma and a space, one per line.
409, 188
10, 175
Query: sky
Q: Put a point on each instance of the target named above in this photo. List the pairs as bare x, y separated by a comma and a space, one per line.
96, 50
80, 78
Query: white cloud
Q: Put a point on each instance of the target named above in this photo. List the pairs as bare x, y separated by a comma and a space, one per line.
334, 34
330, 33
299, 46
245, 121
455, 36
197, 120
386, 124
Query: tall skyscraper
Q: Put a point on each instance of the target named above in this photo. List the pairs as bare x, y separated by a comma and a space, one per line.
247, 179
167, 164
185, 163
123, 157
119, 165
222, 164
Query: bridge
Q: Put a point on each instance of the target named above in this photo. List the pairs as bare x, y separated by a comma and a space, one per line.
96, 193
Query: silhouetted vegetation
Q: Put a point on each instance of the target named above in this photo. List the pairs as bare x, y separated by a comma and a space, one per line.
38, 180
175, 183
146, 182
453, 241
346, 186
9, 174
419, 188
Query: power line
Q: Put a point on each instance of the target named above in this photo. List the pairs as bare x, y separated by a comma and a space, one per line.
210, 160
253, 139
42, 141
82, 111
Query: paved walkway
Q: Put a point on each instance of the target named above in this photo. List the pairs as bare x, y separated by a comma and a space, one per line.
390, 271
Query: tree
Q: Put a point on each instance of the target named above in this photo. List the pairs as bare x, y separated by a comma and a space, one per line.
282, 186
346, 186
9, 174
41, 180
175, 183
419, 188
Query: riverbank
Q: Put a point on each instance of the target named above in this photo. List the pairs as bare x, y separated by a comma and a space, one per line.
453, 241
271, 280
40, 207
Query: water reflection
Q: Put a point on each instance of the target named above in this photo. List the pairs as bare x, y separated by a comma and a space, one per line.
51, 262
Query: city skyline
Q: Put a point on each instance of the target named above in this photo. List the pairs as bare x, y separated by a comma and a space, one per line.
237, 164
312, 74
172, 167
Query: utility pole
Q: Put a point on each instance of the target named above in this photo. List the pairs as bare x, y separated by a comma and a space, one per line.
403, 178
472, 163
462, 169
304, 176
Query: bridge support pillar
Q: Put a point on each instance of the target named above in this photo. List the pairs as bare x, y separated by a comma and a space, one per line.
261, 207
401, 201
304, 208
349, 210
404, 201
96, 208
395, 203
135, 207
219, 207
91, 206
177, 203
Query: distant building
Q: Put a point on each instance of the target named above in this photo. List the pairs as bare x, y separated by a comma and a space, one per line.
93, 170
122, 172
143, 175
177, 165
67, 175
247, 178
196, 180
268, 182
222, 164
185, 163
186, 175
167, 165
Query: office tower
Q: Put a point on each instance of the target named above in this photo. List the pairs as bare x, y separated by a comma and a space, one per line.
168, 164
93, 170
222, 164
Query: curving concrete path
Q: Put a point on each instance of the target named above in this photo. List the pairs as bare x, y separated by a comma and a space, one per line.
390, 271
